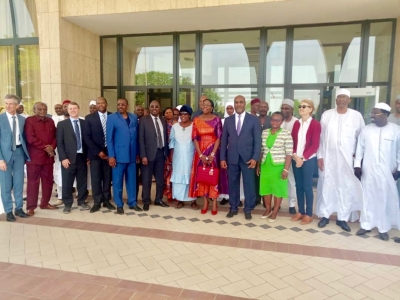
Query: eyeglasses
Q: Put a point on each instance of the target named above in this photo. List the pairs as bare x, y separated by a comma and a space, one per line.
183, 114
303, 106
376, 114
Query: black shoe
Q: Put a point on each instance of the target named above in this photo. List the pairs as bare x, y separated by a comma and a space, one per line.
223, 201
240, 204
10, 217
231, 214
66, 210
362, 232
323, 222
20, 213
120, 211
384, 236
108, 205
135, 208
396, 240
145, 207
292, 210
95, 208
25, 198
247, 216
84, 206
343, 225
161, 203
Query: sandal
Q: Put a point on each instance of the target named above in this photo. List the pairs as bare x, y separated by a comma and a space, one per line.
194, 206
180, 205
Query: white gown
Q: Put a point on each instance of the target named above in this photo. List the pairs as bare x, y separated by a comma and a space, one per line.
1, 207
292, 198
338, 189
379, 147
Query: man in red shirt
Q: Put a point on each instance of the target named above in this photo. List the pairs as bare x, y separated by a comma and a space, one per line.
40, 133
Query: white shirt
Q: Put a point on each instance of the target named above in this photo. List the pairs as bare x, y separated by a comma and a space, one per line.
289, 125
302, 138
101, 115
242, 115
10, 120
161, 128
80, 130
57, 119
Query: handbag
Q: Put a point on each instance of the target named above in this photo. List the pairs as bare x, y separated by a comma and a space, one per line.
208, 174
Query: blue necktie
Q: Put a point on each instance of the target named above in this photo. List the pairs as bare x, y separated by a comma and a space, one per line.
78, 135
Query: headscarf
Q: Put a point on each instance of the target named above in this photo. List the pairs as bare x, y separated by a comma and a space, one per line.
226, 105
186, 108
179, 108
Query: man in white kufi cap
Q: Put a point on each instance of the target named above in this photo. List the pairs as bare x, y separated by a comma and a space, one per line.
288, 122
338, 190
379, 150
92, 106
395, 117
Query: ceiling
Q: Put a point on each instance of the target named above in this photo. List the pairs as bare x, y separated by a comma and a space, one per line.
269, 14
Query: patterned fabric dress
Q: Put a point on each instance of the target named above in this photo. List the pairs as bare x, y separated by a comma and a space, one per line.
206, 133
168, 170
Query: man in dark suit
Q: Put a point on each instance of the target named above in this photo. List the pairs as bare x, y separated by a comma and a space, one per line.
242, 133
153, 144
13, 154
94, 134
122, 151
72, 152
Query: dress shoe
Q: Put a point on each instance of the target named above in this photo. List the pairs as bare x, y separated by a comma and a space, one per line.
223, 201
272, 220
297, 217
20, 213
306, 220
48, 206
343, 225
146, 207
10, 217
30, 212
135, 208
120, 211
231, 214
247, 216
24, 198
66, 210
161, 203
84, 206
362, 231
95, 208
58, 202
240, 204
323, 222
108, 205
396, 240
292, 210
264, 216
384, 236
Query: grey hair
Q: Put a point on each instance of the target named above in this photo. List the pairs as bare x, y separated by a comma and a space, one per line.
17, 100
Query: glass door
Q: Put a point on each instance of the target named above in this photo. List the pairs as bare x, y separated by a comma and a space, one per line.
143, 96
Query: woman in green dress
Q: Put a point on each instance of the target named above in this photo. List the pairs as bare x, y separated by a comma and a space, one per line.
275, 160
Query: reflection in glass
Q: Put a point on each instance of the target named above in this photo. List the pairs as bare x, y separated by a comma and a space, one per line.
109, 61
222, 95
380, 42
112, 96
29, 69
326, 54
147, 60
274, 97
25, 12
276, 49
6, 30
187, 59
7, 71
187, 96
231, 57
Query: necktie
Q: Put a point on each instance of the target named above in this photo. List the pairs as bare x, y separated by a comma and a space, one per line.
103, 124
159, 138
239, 125
14, 136
78, 135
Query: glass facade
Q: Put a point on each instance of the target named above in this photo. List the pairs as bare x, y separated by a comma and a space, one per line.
19, 52
295, 62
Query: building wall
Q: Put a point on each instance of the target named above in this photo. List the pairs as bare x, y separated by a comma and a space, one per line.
69, 58
396, 66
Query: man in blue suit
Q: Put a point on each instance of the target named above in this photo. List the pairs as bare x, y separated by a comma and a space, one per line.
13, 154
121, 135
240, 151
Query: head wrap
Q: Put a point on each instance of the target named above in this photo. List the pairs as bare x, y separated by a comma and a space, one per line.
186, 108
255, 100
383, 106
343, 92
66, 102
398, 97
179, 107
92, 102
289, 102
226, 105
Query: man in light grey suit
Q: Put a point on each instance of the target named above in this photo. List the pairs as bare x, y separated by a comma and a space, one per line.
13, 154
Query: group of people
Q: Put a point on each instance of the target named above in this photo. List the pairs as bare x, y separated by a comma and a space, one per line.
196, 154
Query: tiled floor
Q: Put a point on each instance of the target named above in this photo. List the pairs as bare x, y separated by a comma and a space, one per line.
168, 253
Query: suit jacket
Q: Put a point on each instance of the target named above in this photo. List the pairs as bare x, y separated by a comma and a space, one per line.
94, 135
6, 137
121, 139
247, 145
148, 138
66, 140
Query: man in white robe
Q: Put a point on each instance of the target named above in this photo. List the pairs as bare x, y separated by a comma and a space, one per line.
288, 122
379, 148
338, 190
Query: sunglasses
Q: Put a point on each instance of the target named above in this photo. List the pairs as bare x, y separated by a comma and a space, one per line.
303, 106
